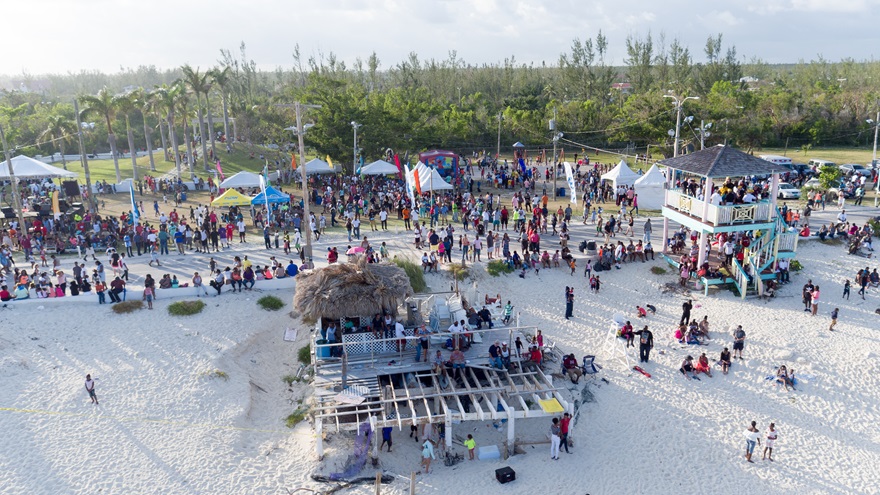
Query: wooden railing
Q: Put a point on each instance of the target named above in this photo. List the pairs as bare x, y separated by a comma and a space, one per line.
788, 241
719, 214
742, 280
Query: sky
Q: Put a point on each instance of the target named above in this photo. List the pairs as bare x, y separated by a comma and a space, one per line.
74, 35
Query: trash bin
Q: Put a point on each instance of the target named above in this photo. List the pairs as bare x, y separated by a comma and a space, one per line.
183, 196
321, 349
561, 192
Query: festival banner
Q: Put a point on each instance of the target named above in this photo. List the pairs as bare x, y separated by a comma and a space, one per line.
569, 176
135, 213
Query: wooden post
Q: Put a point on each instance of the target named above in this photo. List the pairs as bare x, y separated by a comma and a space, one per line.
376, 436
378, 482
449, 429
319, 437
412, 483
511, 433
344, 368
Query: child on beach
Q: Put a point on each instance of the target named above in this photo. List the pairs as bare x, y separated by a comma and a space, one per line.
834, 318
471, 445
148, 296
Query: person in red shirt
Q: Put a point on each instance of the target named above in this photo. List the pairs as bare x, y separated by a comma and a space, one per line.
4, 294
563, 431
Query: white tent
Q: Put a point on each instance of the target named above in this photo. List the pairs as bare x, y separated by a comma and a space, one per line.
650, 188
318, 166
379, 167
241, 179
26, 167
621, 175
429, 179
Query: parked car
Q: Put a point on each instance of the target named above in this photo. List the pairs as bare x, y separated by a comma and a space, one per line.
831, 193
848, 169
788, 191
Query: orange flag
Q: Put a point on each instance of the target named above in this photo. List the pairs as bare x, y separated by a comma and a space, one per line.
292, 162
418, 183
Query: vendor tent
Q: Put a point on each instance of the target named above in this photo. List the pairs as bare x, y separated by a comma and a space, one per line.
429, 179
621, 175
241, 179
379, 167
231, 197
318, 166
650, 189
26, 167
271, 195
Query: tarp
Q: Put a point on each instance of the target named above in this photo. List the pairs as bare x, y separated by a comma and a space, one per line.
518, 145
650, 189
26, 167
318, 166
272, 195
231, 197
241, 179
429, 179
379, 167
621, 175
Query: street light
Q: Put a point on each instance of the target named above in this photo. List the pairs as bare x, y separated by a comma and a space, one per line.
300, 130
355, 126
876, 124
677, 103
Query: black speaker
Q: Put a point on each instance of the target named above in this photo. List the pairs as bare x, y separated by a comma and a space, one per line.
505, 475
71, 188
8, 212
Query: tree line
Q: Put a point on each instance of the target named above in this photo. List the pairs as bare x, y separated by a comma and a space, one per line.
419, 104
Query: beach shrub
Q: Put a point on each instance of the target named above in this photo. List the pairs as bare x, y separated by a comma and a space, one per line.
295, 417
289, 379
497, 267
216, 374
459, 271
127, 307
304, 355
270, 303
185, 308
795, 266
658, 270
414, 272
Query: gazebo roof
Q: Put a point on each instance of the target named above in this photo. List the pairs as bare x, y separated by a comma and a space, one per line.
722, 161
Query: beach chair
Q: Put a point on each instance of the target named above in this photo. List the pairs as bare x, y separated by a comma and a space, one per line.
589, 367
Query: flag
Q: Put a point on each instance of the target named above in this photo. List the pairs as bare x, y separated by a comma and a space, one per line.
522, 166
266, 173
569, 176
56, 209
417, 181
329, 162
292, 161
265, 198
220, 171
135, 213
409, 186
399, 168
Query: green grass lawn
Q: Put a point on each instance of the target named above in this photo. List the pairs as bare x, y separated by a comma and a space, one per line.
839, 156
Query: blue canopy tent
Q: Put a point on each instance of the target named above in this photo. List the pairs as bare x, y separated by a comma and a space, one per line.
272, 195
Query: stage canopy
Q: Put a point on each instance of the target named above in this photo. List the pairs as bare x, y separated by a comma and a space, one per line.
241, 179
379, 167
621, 175
318, 166
650, 189
26, 167
429, 179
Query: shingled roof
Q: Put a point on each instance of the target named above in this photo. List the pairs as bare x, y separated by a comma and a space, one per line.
723, 161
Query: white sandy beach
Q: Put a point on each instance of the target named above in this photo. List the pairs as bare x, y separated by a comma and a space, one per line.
165, 426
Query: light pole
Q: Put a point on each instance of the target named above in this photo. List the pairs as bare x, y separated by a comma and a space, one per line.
355, 126
13, 183
704, 133
678, 102
300, 131
876, 124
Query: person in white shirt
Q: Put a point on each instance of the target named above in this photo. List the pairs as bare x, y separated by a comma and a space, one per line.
456, 331
241, 230
400, 335
841, 217
749, 198
715, 199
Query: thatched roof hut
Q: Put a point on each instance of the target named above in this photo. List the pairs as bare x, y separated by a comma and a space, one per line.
351, 289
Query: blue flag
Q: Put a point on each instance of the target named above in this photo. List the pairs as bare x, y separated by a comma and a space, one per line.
522, 166
135, 213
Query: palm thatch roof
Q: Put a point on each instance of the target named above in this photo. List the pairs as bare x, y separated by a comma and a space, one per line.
723, 161
351, 289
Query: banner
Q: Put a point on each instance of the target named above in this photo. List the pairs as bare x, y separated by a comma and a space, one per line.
292, 161
135, 213
409, 186
266, 197
330, 162
418, 183
220, 171
522, 166
399, 168
569, 176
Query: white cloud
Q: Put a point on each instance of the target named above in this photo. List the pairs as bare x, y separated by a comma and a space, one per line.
722, 18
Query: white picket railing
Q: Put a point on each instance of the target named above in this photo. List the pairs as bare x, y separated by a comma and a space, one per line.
719, 214
742, 280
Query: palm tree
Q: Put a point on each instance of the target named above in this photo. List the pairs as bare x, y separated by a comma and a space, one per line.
144, 101
59, 129
222, 79
199, 84
166, 97
184, 110
127, 105
102, 105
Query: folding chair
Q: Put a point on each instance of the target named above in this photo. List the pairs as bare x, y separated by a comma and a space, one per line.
589, 366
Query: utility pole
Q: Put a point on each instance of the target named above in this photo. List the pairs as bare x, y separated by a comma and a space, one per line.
92, 207
355, 125
874, 158
678, 102
16, 198
498, 149
553, 130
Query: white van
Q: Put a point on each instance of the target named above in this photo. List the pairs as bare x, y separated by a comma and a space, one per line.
777, 159
817, 163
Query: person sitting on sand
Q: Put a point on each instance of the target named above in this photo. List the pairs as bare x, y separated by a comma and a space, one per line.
785, 377
641, 312
725, 361
687, 366
703, 366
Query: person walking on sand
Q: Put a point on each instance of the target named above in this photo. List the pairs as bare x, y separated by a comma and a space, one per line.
814, 299
646, 343
771, 437
564, 424
386, 437
739, 338
846, 286
752, 436
90, 388
555, 439
834, 318
686, 312
427, 455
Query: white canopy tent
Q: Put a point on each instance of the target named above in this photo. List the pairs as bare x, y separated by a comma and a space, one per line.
26, 167
621, 175
241, 179
650, 188
379, 167
429, 179
318, 166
